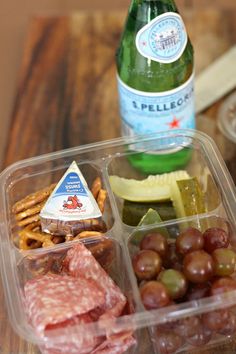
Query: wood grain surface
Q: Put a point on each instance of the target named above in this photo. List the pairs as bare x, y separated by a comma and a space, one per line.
67, 89
67, 96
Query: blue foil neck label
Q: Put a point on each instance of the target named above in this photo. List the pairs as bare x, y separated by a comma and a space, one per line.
163, 39
150, 112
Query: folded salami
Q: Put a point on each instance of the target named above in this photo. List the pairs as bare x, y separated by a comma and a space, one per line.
81, 293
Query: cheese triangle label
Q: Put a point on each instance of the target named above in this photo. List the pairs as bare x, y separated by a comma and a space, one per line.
71, 199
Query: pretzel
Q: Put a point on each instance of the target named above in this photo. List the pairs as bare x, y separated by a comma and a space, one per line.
96, 187
69, 238
32, 199
29, 212
29, 220
99, 193
58, 239
103, 250
92, 225
86, 234
101, 198
33, 233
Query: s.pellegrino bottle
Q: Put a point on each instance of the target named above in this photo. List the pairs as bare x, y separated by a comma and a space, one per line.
155, 71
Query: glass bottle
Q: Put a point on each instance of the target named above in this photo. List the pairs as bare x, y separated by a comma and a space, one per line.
155, 71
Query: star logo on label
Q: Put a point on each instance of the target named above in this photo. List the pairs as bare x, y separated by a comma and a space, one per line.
175, 123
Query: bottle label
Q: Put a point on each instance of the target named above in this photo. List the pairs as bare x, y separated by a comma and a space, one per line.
149, 112
163, 39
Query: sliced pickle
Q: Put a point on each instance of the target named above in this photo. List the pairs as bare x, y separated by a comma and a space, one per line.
188, 197
153, 188
134, 211
151, 217
189, 200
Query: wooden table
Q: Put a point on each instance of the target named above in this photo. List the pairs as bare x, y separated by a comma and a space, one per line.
67, 96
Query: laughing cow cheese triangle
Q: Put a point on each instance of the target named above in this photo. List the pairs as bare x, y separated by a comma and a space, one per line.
70, 202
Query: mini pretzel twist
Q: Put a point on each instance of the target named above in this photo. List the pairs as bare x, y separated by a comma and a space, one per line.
32, 233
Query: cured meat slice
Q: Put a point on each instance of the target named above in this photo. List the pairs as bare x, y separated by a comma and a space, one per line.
80, 262
53, 298
116, 344
81, 294
80, 342
117, 347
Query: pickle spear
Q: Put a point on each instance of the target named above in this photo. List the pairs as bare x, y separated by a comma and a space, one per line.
153, 188
188, 197
134, 211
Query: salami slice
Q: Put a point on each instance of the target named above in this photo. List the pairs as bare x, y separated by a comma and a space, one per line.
80, 262
117, 347
52, 298
82, 342
82, 293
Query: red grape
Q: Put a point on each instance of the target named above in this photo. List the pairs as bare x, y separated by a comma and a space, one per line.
175, 282
146, 264
142, 282
198, 266
215, 237
154, 295
229, 327
172, 259
166, 326
198, 291
201, 337
222, 285
189, 240
187, 327
225, 261
156, 242
168, 342
215, 320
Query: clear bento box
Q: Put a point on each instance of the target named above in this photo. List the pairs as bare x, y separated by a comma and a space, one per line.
155, 273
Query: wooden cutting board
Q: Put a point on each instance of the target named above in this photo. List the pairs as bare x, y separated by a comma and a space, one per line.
67, 96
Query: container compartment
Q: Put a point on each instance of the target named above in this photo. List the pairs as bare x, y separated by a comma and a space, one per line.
110, 302
189, 191
27, 222
185, 273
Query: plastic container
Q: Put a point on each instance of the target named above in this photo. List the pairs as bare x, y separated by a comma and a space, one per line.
105, 159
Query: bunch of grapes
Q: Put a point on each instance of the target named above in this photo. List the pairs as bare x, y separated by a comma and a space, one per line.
195, 266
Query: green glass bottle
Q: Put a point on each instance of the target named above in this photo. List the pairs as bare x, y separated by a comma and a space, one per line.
155, 69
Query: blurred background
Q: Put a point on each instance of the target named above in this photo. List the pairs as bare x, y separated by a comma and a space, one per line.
14, 19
